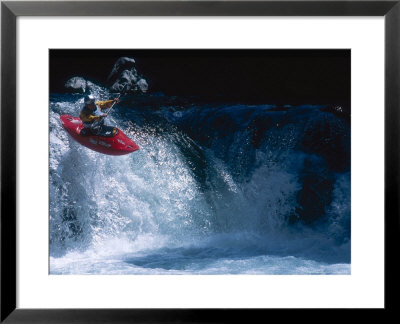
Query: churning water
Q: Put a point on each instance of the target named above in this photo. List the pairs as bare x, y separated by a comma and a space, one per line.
214, 189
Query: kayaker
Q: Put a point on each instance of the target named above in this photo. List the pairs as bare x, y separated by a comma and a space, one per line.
92, 114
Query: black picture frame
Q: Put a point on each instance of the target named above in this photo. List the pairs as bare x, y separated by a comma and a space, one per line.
10, 10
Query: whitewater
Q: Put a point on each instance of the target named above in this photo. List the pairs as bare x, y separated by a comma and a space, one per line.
215, 188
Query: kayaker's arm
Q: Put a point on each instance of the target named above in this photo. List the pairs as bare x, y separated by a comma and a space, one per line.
106, 104
88, 117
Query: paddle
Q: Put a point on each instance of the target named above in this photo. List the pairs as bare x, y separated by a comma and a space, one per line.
123, 91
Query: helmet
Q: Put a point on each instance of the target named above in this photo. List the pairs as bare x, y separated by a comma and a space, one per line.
89, 99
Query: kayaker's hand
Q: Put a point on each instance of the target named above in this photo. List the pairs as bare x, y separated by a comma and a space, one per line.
116, 100
104, 115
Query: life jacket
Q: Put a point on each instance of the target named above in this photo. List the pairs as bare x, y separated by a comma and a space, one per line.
87, 112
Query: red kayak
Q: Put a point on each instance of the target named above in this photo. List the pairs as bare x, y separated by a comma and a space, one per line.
114, 141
